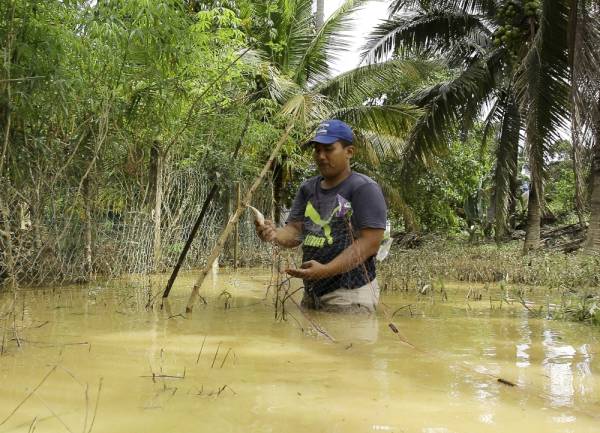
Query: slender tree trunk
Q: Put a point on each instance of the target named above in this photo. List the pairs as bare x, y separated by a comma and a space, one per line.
158, 158
87, 199
320, 15
7, 67
535, 150
236, 232
578, 171
514, 194
278, 178
534, 219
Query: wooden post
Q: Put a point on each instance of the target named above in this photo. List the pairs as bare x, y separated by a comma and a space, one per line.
233, 219
236, 235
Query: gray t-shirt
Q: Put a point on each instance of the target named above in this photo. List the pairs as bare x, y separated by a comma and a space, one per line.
331, 220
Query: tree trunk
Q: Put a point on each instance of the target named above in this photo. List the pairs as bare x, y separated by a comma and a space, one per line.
534, 218
87, 203
320, 15
278, 180
576, 147
535, 150
8, 52
514, 195
593, 234
158, 159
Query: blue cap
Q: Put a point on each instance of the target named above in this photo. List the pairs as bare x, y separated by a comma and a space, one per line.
330, 131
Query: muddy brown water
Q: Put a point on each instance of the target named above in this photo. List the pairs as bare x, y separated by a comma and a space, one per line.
240, 370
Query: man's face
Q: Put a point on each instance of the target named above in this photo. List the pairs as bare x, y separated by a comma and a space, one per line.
332, 159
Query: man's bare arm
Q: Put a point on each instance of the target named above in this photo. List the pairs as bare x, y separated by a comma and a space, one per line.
361, 249
288, 236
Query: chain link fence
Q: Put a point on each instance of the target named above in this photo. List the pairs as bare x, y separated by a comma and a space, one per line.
61, 240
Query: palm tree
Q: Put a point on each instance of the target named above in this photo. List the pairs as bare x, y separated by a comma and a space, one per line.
584, 39
509, 59
295, 71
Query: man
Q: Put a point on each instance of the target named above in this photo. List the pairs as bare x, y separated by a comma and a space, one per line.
339, 217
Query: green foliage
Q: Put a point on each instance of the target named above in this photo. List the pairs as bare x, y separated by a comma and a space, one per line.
560, 191
439, 197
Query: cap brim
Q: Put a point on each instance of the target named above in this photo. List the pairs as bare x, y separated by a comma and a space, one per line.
322, 139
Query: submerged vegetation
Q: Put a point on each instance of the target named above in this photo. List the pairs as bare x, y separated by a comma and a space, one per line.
488, 263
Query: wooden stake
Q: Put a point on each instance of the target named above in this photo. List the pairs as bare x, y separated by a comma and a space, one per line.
233, 219
236, 236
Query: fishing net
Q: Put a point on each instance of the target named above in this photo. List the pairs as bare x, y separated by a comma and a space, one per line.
323, 239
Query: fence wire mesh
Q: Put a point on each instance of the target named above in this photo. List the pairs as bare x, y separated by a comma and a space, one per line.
60, 240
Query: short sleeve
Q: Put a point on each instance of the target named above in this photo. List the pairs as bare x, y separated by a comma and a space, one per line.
298, 207
368, 207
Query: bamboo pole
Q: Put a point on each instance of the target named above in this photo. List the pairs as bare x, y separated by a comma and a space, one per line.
233, 219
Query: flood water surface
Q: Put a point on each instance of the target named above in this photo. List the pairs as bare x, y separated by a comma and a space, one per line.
94, 359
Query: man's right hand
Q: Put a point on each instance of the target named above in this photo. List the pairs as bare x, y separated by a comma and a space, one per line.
267, 232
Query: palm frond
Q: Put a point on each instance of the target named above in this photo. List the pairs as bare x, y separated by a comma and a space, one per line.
423, 33
306, 109
507, 152
383, 121
398, 5
584, 59
331, 41
377, 147
494, 116
374, 80
298, 27
445, 105
280, 87
542, 83
487, 7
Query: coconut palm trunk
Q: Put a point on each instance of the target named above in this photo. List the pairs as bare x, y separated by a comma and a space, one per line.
320, 15
593, 235
534, 219
536, 150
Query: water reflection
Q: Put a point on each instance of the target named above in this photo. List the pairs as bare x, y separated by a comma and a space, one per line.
586, 380
558, 368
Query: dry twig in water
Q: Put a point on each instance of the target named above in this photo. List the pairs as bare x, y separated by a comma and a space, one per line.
28, 396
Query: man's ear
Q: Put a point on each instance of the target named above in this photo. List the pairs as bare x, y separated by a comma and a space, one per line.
349, 151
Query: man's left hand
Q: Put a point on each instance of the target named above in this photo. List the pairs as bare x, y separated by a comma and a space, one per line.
311, 270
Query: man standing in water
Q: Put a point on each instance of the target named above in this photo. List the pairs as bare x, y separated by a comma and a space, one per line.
339, 218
